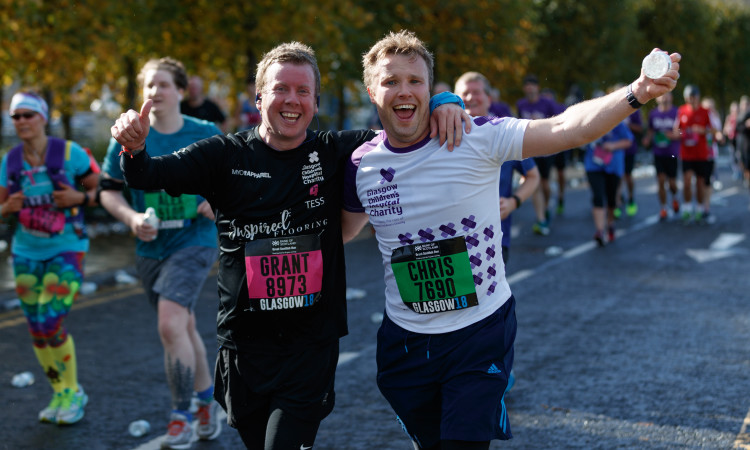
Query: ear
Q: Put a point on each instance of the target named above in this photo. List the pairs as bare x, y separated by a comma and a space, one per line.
258, 101
372, 98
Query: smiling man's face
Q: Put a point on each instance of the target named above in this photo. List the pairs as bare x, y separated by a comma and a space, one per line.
401, 93
475, 97
287, 104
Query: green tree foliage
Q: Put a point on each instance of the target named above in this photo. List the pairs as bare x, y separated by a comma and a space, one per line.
491, 37
684, 26
732, 70
69, 49
43, 46
587, 42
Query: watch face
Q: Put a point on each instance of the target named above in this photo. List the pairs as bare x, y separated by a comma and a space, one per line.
656, 64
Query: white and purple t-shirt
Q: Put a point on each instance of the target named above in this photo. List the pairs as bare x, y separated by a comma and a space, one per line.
662, 122
437, 222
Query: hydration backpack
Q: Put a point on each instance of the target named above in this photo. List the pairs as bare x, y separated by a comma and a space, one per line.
58, 150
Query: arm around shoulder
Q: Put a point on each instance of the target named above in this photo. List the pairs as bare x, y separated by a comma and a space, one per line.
352, 223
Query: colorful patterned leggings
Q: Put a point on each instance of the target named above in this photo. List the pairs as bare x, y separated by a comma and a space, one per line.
47, 289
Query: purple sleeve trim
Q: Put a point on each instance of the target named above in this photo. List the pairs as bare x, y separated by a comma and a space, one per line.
408, 149
481, 120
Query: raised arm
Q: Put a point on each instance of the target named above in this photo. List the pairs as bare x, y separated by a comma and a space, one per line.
586, 121
131, 129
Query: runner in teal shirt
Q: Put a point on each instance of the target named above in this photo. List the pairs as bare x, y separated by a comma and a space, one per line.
181, 226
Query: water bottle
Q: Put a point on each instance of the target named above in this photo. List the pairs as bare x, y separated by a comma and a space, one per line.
355, 294
151, 218
123, 277
87, 287
12, 304
656, 64
22, 379
138, 428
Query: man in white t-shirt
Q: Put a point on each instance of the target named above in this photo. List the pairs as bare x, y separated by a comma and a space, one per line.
445, 347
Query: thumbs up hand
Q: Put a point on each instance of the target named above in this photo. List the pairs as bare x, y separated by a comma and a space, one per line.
131, 129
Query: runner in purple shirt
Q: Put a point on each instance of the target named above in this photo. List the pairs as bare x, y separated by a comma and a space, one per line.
660, 137
534, 106
560, 159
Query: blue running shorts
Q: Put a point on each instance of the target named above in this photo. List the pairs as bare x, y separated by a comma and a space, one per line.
449, 386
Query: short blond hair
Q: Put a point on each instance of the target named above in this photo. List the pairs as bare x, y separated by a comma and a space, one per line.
402, 43
294, 52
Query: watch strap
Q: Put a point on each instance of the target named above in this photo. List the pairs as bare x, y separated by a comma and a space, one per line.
632, 101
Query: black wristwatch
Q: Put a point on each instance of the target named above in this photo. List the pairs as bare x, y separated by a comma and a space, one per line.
632, 101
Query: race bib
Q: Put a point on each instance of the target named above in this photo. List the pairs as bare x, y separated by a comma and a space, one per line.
690, 139
173, 212
435, 277
42, 221
601, 157
284, 273
661, 140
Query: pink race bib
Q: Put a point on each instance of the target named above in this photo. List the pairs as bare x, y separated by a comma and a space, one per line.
284, 273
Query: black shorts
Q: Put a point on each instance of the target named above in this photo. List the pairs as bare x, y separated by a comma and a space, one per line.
299, 384
560, 159
701, 169
544, 164
449, 386
603, 187
666, 165
629, 163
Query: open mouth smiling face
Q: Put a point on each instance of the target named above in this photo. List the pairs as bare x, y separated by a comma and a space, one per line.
405, 112
401, 93
287, 104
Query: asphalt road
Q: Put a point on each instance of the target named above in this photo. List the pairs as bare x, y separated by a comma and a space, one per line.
641, 344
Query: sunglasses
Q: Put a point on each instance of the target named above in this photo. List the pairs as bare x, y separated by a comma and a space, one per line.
26, 115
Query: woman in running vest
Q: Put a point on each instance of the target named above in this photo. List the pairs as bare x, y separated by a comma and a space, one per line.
39, 180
